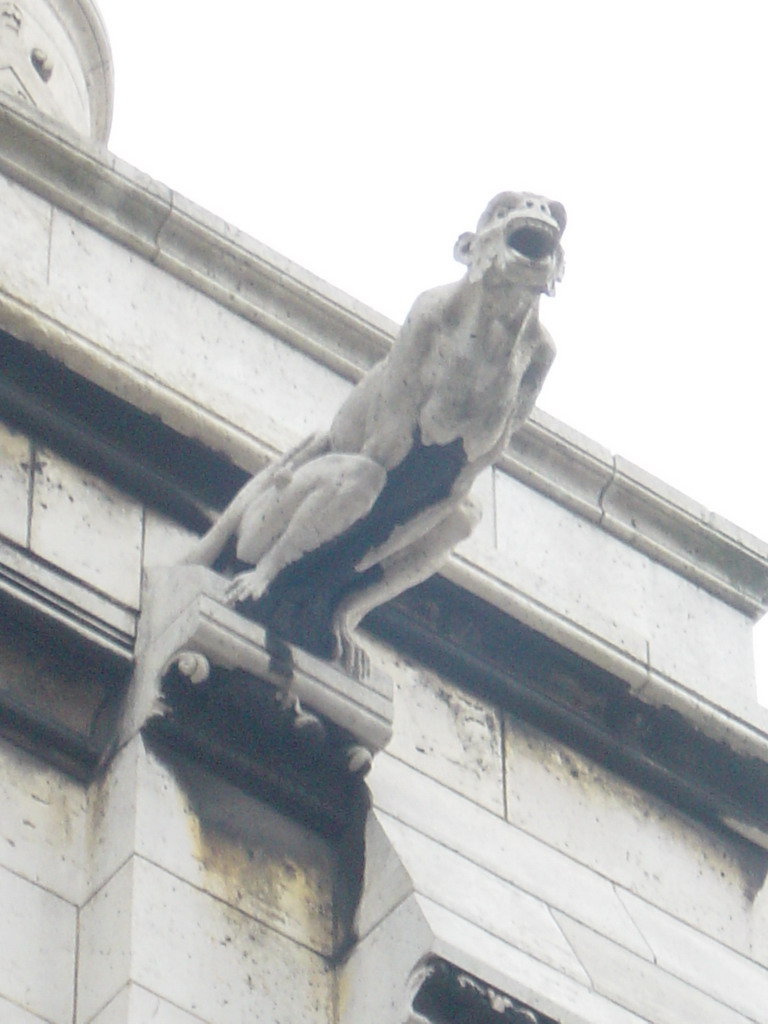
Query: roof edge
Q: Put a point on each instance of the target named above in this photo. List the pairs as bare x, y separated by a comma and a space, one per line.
348, 337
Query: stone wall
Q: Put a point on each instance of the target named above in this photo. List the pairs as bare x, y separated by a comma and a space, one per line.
542, 835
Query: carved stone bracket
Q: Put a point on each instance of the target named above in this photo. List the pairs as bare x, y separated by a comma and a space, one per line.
201, 666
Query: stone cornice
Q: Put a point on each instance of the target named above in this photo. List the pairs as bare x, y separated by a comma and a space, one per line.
267, 289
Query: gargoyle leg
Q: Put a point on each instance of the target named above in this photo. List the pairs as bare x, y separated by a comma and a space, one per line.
321, 500
419, 526
207, 548
410, 565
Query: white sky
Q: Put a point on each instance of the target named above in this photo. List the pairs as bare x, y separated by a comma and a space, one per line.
359, 139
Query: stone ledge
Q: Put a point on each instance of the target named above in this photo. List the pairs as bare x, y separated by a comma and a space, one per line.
43, 588
745, 733
664, 739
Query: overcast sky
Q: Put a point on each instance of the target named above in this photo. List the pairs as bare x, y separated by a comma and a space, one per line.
359, 139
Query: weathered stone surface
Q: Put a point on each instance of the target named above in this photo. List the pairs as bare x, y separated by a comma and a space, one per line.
569, 564
186, 613
443, 731
37, 939
87, 527
637, 841
112, 808
15, 470
502, 849
579, 835
368, 993
105, 936
132, 308
10, 1013
215, 837
706, 965
641, 986
702, 644
522, 976
25, 222
61, 56
165, 542
195, 952
136, 1005
42, 824
237, 849
609, 594
481, 898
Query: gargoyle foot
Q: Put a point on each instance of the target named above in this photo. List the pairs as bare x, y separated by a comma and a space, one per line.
247, 586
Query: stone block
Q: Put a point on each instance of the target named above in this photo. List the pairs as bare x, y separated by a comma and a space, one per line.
25, 222
10, 1013
506, 851
696, 640
37, 939
386, 882
165, 542
623, 598
510, 970
570, 566
87, 527
212, 835
42, 824
15, 474
112, 809
238, 849
706, 965
641, 986
630, 837
37, 583
106, 935
195, 952
443, 731
136, 1005
366, 992
145, 317
481, 898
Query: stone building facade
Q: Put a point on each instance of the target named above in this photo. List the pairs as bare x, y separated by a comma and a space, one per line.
569, 822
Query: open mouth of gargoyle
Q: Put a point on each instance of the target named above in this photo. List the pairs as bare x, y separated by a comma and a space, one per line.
533, 239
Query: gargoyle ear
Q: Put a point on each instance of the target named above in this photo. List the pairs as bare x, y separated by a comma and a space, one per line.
557, 271
461, 251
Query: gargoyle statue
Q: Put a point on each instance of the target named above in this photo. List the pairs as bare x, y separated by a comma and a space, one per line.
356, 515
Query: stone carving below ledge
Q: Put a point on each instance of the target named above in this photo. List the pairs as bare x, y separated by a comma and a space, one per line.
371, 507
208, 673
450, 996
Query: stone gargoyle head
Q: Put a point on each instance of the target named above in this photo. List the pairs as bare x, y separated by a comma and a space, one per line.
517, 242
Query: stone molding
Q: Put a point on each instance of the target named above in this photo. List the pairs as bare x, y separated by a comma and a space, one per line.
347, 337
41, 587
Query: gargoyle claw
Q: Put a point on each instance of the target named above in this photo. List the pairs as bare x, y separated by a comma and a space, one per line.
248, 586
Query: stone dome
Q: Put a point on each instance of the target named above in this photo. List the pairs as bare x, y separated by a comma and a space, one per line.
55, 55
